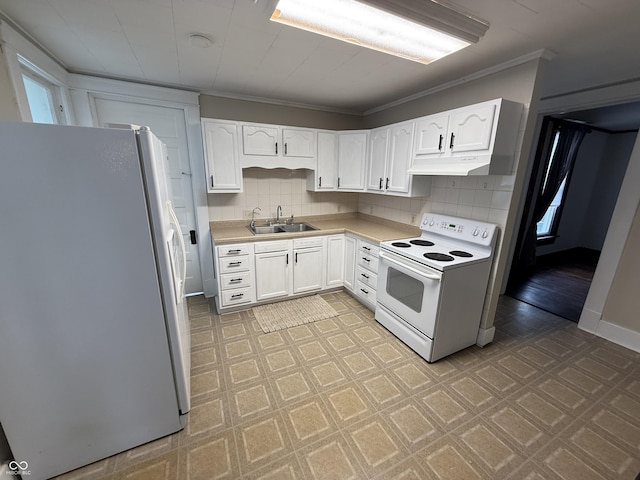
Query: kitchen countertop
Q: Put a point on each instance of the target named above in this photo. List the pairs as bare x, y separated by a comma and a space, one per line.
372, 228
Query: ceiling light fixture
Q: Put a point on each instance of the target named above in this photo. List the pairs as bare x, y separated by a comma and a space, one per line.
200, 40
420, 31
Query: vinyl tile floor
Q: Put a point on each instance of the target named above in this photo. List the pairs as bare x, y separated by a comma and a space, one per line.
342, 398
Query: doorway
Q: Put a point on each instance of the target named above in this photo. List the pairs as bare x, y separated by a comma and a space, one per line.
169, 125
571, 234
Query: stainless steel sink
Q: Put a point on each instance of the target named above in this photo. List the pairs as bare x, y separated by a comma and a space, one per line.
297, 227
280, 228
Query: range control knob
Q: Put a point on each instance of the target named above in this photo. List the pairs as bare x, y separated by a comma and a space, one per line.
431, 223
475, 232
485, 234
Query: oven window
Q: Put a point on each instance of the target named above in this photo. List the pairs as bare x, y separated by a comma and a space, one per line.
405, 289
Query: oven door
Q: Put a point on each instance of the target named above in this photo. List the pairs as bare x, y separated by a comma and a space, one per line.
410, 290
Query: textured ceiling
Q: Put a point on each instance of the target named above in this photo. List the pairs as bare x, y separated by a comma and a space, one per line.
595, 43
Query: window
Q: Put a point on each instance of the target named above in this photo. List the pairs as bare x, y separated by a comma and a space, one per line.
42, 97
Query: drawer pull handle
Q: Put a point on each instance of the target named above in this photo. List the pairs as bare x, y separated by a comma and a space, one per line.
367, 248
366, 259
365, 276
237, 295
235, 280
364, 291
235, 264
237, 250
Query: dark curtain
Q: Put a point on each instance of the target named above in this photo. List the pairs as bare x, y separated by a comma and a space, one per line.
561, 160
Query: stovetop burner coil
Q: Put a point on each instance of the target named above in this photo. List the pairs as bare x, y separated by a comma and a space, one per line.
401, 244
441, 257
460, 253
422, 243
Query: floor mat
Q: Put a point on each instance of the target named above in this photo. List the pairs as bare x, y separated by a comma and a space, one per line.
281, 315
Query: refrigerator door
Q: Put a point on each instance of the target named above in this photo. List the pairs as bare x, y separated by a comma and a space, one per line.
170, 258
85, 365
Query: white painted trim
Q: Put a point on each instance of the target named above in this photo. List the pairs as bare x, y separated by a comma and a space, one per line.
160, 95
602, 96
620, 335
485, 336
619, 228
543, 54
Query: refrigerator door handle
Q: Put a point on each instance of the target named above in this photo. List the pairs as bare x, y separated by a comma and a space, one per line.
183, 274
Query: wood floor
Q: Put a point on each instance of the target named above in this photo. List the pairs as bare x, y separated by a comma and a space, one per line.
558, 283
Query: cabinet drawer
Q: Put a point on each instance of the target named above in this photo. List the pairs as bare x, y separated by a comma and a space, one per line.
366, 292
234, 264
235, 280
233, 250
307, 242
236, 297
367, 277
367, 261
369, 248
277, 246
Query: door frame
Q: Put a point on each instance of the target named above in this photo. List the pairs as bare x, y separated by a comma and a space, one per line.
84, 92
628, 202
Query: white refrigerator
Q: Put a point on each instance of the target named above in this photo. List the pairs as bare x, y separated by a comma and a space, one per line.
94, 333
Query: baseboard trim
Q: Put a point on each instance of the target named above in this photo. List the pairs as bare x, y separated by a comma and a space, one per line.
619, 335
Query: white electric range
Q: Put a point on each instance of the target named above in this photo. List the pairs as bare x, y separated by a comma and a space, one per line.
431, 289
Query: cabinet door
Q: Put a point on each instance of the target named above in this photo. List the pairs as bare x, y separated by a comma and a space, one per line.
260, 140
378, 141
352, 160
349, 262
335, 261
272, 275
298, 143
221, 152
431, 135
399, 158
326, 173
471, 128
307, 269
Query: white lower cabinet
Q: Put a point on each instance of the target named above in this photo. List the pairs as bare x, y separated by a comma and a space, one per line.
234, 264
350, 244
334, 276
307, 264
367, 272
273, 272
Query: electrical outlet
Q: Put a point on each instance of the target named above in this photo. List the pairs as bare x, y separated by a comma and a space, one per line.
413, 219
246, 214
339, 208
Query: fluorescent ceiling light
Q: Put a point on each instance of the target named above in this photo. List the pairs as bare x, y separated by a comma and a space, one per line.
405, 28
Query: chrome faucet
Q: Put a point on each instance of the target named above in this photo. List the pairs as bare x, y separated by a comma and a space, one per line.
253, 214
278, 213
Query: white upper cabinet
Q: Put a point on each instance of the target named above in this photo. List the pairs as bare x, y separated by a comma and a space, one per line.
431, 133
260, 140
221, 152
390, 153
298, 142
352, 159
275, 146
471, 128
325, 175
476, 140
378, 144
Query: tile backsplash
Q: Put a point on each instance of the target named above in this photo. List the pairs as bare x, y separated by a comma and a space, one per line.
484, 198
267, 189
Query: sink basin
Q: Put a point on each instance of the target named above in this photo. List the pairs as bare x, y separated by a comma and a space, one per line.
297, 227
281, 228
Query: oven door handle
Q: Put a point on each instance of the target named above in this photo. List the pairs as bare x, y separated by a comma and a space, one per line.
430, 276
